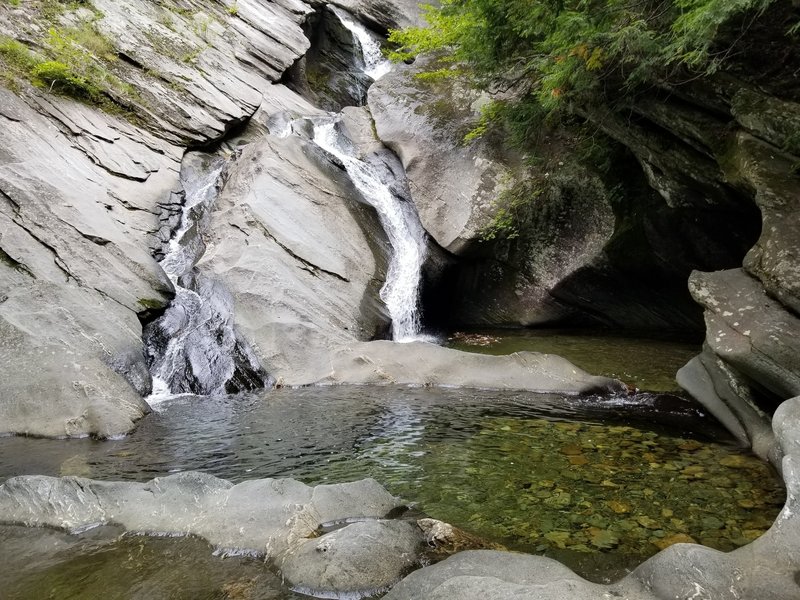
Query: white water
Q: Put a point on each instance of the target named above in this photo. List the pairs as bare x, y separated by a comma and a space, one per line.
375, 65
406, 235
200, 354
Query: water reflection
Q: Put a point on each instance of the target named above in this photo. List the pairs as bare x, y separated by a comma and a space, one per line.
599, 483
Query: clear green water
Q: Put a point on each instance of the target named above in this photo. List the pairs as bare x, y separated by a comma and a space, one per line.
645, 362
589, 481
50, 565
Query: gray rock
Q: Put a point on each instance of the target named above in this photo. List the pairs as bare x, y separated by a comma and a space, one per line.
387, 14
302, 256
85, 196
750, 331
199, 71
750, 359
421, 363
364, 558
723, 391
331, 74
274, 518
79, 194
453, 186
490, 574
775, 259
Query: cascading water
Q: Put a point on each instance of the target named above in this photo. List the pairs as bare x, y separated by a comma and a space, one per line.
401, 223
375, 65
193, 347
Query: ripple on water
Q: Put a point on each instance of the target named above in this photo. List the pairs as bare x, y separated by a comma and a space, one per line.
589, 481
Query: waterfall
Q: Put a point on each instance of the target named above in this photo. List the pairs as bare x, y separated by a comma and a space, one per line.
375, 65
193, 347
406, 235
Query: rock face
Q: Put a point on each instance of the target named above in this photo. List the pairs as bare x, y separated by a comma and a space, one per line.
387, 14
303, 258
289, 219
561, 241
79, 195
82, 193
765, 568
278, 519
467, 193
453, 186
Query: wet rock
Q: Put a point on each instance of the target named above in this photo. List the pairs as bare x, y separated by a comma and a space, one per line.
76, 269
331, 73
444, 538
386, 14
421, 363
453, 189
362, 558
86, 195
274, 518
288, 219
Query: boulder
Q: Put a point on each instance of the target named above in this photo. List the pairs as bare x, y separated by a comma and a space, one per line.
426, 364
302, 256
454, 186
364, 558
751, 358
277, 519
750, 331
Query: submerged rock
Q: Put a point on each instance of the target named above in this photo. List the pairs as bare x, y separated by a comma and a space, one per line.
278, 519
765, 568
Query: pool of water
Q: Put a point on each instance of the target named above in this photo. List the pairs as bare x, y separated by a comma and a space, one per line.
599, 483
40, 564
646, 362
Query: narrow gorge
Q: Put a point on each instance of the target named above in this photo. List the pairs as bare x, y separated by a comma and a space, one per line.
280, 318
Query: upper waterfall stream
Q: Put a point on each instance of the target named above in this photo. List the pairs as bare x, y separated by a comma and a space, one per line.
375, 65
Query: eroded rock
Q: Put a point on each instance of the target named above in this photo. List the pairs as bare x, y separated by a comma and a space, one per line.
274, 518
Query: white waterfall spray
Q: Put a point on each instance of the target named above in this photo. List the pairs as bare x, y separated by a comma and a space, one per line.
193, 346
403, 228
375, 65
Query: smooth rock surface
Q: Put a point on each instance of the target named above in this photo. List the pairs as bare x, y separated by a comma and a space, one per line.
363, 558
421, 363
274, 518
454, 186
79, 195
302, 256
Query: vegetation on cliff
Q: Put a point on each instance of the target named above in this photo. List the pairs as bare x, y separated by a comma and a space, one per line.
555, 53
